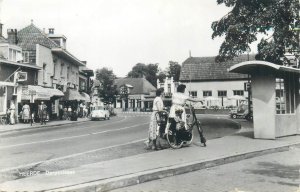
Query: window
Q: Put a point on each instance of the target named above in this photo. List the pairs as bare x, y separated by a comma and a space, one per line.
222, 93
68, 73
238, 92
207, 93
44, 72
62, 69
169, 88
12, 55
25, 55
193, 94
286, 94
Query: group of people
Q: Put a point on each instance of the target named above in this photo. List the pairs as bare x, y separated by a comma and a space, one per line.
67, 112
28, 115
178, 101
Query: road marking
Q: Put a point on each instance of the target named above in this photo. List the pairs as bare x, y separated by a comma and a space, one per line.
72, 137
69, 156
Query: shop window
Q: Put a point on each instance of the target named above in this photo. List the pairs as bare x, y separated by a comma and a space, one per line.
286, 94
207, 93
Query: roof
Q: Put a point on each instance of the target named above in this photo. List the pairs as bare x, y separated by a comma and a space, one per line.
140, 85
67, 55
206, 69
250, 67
29, 36
19, 64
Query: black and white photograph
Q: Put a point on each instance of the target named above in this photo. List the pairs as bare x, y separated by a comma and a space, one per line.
150, 95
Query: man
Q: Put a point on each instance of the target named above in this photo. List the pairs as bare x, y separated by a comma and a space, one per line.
42, 113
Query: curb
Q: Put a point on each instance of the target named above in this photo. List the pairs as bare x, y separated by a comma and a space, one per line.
159, 173
42, 126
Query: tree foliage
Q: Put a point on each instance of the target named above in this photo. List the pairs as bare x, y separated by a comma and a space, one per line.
107, 90
149, 71
248, 18
174, 70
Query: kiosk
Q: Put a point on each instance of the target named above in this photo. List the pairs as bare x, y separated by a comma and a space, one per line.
275, 98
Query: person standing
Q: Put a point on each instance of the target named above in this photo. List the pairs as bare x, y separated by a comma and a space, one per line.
158, 105
26, 113
43, 113
12, 113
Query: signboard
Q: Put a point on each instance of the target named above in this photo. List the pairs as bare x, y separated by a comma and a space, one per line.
21, 76
247, 86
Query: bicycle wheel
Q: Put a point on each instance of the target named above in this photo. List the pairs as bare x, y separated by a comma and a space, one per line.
186, 143
173, 140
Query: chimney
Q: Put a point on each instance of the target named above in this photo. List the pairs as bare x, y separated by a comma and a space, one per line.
1, 35
12, 36
51, 30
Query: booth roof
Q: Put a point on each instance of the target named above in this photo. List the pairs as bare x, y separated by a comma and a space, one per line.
251, 67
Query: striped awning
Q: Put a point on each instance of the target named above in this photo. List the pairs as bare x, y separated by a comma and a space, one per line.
39, 93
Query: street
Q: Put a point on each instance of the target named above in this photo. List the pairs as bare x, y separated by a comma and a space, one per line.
277, 172
69, 146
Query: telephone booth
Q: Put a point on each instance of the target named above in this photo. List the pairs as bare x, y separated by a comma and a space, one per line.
275, 98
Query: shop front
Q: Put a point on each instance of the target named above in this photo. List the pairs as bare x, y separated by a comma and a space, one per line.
34, 95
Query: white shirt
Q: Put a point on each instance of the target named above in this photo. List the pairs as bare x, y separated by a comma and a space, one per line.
158, 104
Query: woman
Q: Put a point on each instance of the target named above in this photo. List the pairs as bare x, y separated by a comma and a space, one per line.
26, 113
178, 101
158, 105
12, 113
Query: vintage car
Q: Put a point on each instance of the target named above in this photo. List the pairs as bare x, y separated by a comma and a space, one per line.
99, 112
240, 112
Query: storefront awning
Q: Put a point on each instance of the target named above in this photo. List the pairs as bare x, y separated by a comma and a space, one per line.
73, 94
39, 93
86, 97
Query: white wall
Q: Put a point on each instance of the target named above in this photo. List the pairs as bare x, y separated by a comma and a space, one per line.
44, 56
264, 108
216, 86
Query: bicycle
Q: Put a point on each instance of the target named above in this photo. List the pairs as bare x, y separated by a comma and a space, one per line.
3, 120
183, 136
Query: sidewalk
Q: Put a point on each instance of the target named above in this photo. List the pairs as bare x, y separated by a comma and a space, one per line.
108, 175
23, 126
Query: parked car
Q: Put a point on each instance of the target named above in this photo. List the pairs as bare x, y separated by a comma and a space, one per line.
99, 112
240, 112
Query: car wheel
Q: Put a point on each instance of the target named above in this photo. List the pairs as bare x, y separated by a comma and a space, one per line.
234, 116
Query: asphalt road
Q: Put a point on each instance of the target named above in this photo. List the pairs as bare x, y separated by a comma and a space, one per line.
68, 146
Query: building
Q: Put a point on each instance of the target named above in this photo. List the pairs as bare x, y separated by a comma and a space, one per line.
14, 73
57, 81
169, 89
211, 81
135, 94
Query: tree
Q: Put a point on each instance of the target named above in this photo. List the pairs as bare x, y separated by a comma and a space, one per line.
248, 18
149, 71
174, 70
107, 90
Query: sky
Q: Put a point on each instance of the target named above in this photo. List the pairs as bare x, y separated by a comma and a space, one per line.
118, 34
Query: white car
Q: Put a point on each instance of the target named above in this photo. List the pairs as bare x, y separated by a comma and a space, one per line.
99, 112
